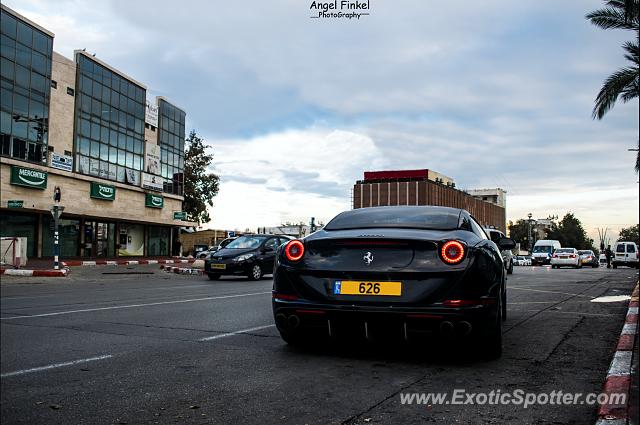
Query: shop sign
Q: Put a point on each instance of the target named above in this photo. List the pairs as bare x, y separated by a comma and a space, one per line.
105, 192
151, 114
15, 204
28, 177
179, 215
154, 201
151, 182
62, 162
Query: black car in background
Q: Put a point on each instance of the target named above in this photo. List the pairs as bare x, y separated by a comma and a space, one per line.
403, 272
249, 255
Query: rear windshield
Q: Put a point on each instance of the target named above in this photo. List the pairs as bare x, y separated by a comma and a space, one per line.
436, 218
543, 248
564, 251
585, 252
620, 248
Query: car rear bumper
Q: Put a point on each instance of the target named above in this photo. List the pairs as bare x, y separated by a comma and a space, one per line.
389, 322
230, 268
568, 262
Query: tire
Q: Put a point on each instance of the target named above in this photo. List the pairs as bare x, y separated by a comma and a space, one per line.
255, 272
213, 276
579, 266
554, 267
504, 305
615, 266
491, 345
291, 339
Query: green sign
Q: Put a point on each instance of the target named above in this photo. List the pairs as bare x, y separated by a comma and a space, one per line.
28, 177
179, 215
103, 191
154, 201
14, 204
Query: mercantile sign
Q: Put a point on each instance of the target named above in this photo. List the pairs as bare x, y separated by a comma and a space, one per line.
28, 177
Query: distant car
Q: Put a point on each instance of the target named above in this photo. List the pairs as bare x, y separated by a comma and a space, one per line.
212, 249
521, 260
565, 257
528, 261
543, 250
507, 256
625, 254
248, 255
602, 259
588, 258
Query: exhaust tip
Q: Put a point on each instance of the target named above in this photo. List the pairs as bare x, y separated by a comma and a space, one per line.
294, 321
464, 328
281, 321
446, 328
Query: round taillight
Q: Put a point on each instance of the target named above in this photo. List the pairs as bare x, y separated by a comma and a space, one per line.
294, 250
452, 252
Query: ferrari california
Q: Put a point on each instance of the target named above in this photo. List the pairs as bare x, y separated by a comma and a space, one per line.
407, 273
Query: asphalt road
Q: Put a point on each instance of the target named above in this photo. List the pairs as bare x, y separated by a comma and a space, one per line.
100, 348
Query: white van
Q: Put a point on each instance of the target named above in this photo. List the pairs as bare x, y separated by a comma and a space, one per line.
543, 250
625, 254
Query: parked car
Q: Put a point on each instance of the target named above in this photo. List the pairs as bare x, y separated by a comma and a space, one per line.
522, 260
565, 257
248, 255
528, 261
625, 254
602, 259
588, 258
507, 256
543, 250
212, 249
395, 271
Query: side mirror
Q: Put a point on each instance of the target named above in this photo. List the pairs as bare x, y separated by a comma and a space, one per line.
506, 244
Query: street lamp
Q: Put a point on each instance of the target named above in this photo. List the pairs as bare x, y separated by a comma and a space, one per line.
529, 239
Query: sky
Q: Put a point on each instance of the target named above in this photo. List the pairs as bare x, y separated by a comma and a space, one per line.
491, 93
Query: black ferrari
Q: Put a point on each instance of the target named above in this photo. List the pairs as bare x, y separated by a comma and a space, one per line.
406, 272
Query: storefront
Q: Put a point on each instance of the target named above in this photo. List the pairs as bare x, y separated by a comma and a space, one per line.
21, 225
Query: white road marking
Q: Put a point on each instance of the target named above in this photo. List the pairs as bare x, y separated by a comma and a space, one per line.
117, 307
548, 292
243, 331
53, 366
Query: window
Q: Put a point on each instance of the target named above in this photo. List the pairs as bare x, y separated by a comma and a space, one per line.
26, 80
107, 129
70, 91
631, 248
171, 139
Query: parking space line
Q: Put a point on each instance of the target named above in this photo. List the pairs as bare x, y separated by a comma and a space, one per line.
54, 366
243, 331
117, 307
548, 292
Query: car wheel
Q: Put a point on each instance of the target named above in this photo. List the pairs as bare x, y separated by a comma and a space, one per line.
291, 339
255, 273
615, 266
491, 345
579, 266
213, 276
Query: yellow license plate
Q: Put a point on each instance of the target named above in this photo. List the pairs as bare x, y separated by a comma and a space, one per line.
219, 266
364, 287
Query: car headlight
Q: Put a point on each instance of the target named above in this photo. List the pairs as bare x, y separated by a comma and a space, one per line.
242, 257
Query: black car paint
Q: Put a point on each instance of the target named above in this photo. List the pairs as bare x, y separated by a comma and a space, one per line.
415, 260
262, 255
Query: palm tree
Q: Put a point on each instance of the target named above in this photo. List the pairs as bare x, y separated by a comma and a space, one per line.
625, 82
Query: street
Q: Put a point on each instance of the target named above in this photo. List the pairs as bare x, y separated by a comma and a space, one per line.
138, 345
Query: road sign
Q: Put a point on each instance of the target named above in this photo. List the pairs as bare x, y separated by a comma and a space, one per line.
15, 204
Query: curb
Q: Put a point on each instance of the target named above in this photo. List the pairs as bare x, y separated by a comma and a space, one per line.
619, 375
182, 270
34, 273
124, 262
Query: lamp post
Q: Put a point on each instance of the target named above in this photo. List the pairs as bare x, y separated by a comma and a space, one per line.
529, 238
56, 211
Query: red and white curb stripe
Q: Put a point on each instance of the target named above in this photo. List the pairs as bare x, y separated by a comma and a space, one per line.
181, 270
619, 375
74, 263
34, 273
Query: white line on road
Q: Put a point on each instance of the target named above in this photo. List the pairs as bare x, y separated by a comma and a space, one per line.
243, 331
548, 292
53, 366
116, 307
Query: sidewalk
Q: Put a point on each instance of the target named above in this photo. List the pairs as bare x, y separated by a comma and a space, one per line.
47, 264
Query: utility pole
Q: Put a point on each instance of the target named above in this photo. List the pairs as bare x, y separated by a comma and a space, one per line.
56, 211
529, 237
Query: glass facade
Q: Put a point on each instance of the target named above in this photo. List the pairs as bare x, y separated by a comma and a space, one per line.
109, 141
171, 122
25, 69
18, 225
158, 240
69, 231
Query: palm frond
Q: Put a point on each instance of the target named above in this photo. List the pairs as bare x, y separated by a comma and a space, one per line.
633, 51
622, 82
610, 18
